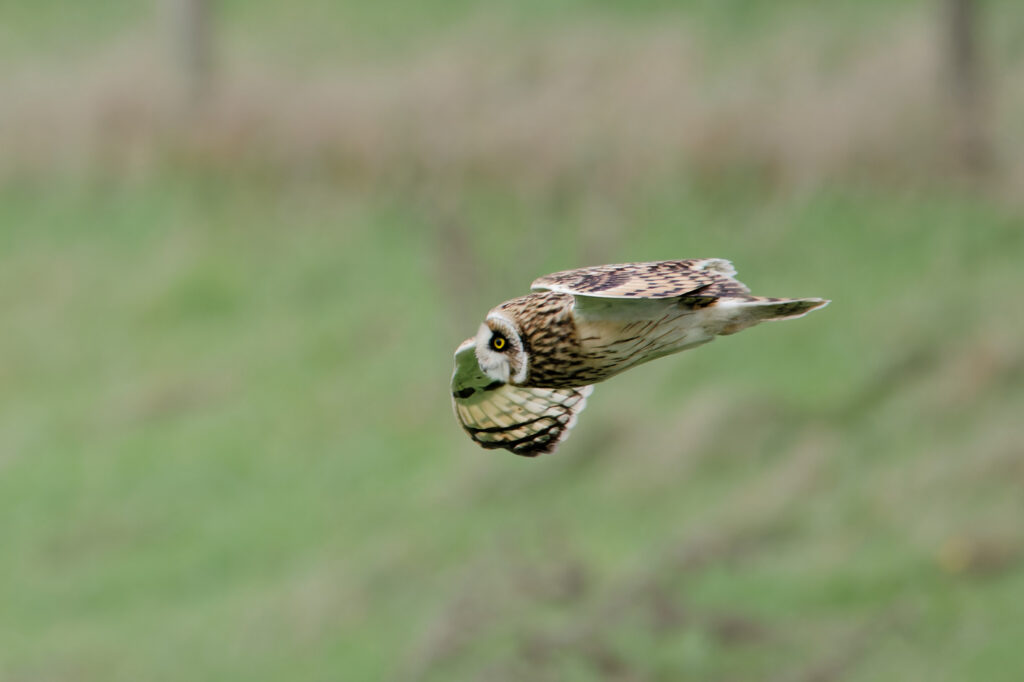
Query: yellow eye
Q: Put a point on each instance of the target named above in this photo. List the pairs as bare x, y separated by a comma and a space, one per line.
497, 343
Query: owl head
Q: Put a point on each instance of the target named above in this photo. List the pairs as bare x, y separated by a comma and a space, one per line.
500, 350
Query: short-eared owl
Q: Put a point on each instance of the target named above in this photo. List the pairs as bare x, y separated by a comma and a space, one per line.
520, 383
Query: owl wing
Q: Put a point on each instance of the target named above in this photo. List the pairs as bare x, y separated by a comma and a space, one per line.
525, 421
705, 277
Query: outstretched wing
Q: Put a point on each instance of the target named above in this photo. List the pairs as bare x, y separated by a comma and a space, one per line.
526, 421
705, 277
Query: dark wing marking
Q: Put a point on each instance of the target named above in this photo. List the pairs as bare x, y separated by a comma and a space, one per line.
704, 277
525, 421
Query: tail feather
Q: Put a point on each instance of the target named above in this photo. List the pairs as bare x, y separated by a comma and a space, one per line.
748, 312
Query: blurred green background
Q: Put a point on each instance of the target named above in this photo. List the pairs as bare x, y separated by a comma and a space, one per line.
230, 288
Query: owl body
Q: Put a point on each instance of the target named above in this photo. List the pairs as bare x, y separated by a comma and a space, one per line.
568, 345
520, 383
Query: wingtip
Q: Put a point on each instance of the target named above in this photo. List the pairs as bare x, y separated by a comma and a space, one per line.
810, 305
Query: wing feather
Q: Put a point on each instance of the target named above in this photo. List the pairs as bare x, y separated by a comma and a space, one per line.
525, 421
706, 277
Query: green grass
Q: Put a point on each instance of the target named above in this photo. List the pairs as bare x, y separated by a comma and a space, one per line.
319, 30
315, 30
228, 451
226, 444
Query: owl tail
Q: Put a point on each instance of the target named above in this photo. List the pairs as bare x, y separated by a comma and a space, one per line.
743, 313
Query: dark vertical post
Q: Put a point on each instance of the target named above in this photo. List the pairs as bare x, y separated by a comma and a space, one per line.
192, 42
965, 85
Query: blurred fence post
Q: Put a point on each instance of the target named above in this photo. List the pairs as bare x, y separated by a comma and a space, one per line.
191, 28
965, 85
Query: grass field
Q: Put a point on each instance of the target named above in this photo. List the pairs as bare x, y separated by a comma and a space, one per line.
226, 444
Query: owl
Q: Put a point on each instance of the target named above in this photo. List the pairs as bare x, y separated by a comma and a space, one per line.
522, 381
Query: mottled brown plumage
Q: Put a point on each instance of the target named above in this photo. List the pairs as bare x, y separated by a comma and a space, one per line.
547, 328
712, 277
520, 383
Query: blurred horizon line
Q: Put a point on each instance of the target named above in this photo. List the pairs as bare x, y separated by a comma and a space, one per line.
648, 104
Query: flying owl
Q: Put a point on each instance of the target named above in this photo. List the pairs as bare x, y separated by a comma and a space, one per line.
521, 382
